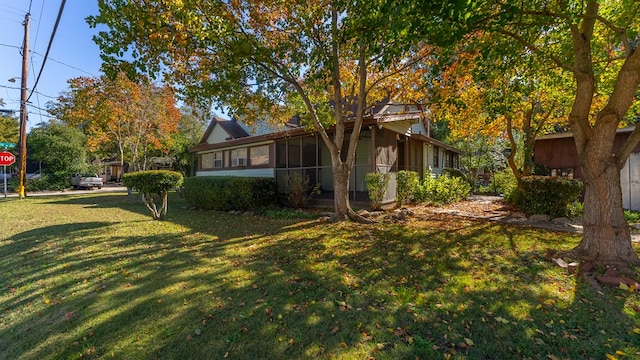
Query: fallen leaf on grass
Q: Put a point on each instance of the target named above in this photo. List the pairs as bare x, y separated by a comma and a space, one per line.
623, 286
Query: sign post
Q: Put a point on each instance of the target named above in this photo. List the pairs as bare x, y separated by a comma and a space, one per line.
6, 158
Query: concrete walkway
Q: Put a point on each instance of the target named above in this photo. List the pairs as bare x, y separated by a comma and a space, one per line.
108, 187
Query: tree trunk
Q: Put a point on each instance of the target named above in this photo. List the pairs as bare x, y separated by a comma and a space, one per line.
342, 207
606, 236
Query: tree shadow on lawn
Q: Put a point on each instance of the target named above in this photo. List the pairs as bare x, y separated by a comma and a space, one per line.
304, 289
394, 292
79, 290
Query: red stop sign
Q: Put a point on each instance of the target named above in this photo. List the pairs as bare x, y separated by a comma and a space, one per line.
6, 158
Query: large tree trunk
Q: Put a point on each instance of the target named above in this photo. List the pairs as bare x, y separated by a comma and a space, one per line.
606, 237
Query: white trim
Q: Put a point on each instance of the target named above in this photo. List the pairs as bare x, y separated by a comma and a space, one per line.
263, 172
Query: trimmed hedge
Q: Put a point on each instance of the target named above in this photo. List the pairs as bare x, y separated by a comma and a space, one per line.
227, 193
153, 181
547, 195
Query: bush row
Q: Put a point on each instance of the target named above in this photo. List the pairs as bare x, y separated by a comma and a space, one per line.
533, 194
229, 193
443, 189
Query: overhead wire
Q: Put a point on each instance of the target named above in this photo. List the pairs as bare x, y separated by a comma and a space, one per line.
65, 64
35, 42
46, 54
12, 46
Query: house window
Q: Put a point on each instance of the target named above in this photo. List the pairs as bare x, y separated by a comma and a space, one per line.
206, 161
259, 155
436, 156
217, 159
211, 160
239, 157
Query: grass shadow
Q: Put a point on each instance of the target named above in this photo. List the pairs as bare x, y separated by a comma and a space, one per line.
215, 285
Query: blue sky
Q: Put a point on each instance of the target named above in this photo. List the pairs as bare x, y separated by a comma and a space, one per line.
72, 54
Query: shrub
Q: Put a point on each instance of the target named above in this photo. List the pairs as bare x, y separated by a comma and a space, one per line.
227, 193
377, 184
154, 182
505, 183
36, 184
575, 210
632, 216
547, 195
299, 190
46, 182
407, 182
443, 190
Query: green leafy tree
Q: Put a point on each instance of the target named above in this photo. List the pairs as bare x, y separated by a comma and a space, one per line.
61, 151
191, 128
9, 129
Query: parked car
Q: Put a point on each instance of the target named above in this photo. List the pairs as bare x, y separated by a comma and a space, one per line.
86, 181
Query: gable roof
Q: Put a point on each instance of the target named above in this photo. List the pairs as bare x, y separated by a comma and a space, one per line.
231, 127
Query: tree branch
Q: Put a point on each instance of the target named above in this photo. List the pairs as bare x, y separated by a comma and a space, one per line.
537, 50
618, 30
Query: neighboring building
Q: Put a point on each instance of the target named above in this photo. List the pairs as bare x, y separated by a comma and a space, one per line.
393, 138
558, 153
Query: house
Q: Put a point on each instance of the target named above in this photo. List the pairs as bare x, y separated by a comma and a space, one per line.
557, 152
393, 137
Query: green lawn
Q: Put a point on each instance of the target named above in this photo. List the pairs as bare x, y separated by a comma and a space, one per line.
94, 277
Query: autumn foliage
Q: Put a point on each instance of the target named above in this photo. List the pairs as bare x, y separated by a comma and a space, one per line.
120, 116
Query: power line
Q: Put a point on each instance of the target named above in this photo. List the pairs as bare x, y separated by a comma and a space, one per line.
36, 92
46, 54
14, 10
38, 28
52, 59
67, 65
11, 20
11, 46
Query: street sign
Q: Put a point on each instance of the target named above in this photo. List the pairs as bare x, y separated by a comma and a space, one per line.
7, 145
7, 158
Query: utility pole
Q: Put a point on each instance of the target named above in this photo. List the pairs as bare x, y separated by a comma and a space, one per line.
23, 111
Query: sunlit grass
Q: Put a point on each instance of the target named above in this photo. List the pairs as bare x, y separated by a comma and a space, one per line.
94, 277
